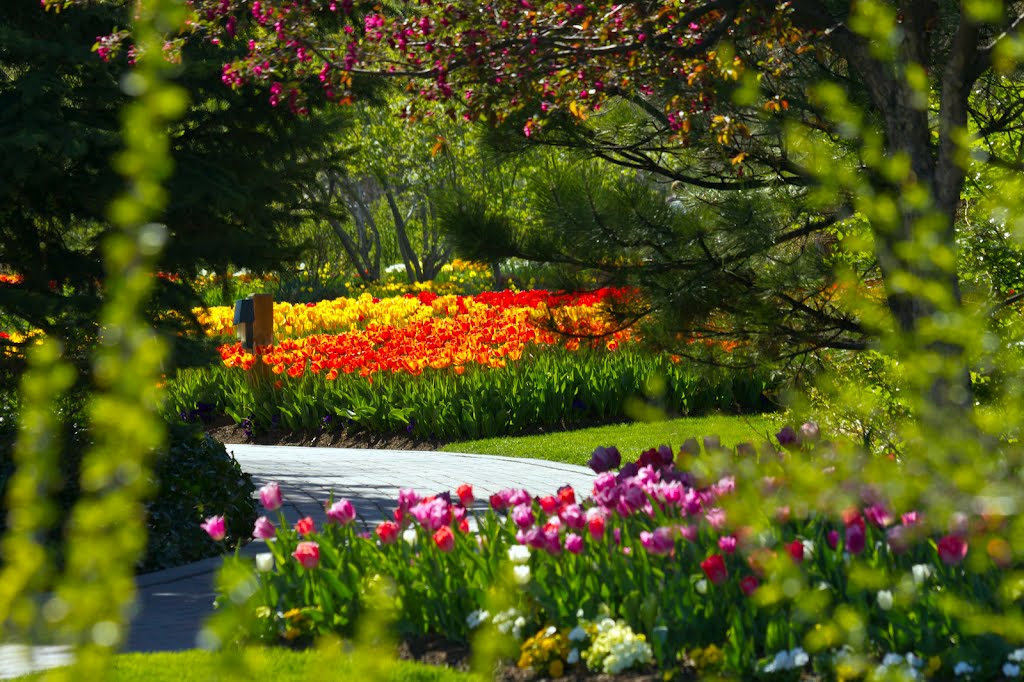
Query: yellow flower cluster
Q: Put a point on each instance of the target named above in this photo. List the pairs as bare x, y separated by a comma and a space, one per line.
295, 320
545, 652
706, 660
299, 320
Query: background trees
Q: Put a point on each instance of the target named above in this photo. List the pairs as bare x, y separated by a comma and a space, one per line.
799, 101
241, 168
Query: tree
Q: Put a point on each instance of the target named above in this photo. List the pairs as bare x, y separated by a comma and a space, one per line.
894, 102
240, 168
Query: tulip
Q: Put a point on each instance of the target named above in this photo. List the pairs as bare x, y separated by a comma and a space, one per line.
748, 584
264, 529
573, 543
549, 504
444, 539
855, 536
714, 568
796, 551
387, 532
307, 554
214, 527
727, 543
604, 459
566, 495
342, 512
264, 562
595, 524
522, 515
270, 497
952, 549
465, 493
305, 526
787, 437
659, 542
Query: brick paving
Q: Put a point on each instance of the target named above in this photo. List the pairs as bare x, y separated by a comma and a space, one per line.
173, 603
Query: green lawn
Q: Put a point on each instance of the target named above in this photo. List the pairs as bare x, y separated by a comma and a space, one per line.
575, 447
279, 665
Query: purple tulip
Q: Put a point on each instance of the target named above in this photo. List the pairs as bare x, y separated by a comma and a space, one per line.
604, 459
787, 437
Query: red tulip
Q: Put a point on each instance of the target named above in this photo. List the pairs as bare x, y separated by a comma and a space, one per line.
714, 568
444, 539
952, 549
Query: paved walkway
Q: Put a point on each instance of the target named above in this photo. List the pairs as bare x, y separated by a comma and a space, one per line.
174, 603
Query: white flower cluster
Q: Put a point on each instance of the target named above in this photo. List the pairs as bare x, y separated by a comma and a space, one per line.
787, 660
616, 648
964, 668
510, 621
1012, 667
909, 664
921, 573
519, 554
477, 618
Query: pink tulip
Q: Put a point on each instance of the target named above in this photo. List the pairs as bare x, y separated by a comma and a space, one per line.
214, 527
660, 542
522, 515
341, 512
270, 497
727, 543
264, 529
307, 554
573, 543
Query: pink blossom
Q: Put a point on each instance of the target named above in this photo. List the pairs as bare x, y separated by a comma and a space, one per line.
270, 497
432, 513
342, 512
522, 515
407, 497
263, 529
573, 543
878, 515
832, 538
214, 527
727, 543
716, 517
661, 541
572, 515
307, 554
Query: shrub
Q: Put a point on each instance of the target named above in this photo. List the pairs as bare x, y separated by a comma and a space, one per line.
194, 474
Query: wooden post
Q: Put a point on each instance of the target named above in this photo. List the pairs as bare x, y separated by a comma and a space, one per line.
263, 327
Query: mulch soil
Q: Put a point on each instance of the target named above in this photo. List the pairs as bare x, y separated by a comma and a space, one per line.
438, 651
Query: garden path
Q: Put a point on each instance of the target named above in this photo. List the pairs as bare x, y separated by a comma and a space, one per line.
172, 604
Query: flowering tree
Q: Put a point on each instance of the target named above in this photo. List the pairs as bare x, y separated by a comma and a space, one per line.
895, 102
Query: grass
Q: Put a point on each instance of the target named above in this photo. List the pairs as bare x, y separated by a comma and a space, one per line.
575, 447
279, 665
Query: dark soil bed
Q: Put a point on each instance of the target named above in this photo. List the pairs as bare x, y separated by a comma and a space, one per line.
226, 431
438, 651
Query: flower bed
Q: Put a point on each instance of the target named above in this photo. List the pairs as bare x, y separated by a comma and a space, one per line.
657, 569
449, 367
